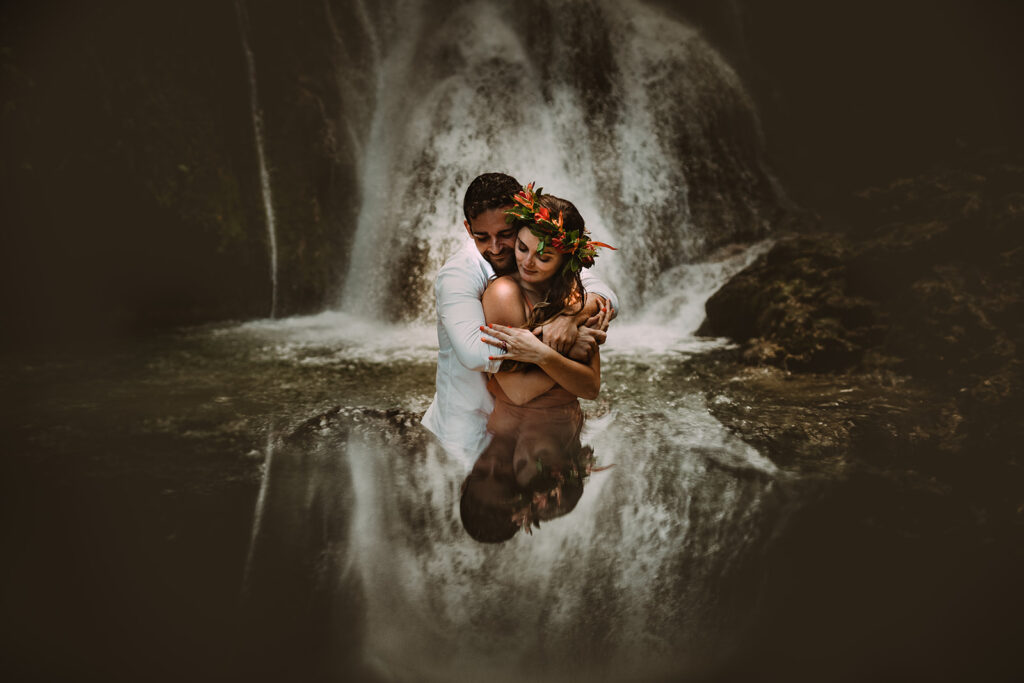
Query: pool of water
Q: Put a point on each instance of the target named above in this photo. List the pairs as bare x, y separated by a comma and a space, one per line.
258, 501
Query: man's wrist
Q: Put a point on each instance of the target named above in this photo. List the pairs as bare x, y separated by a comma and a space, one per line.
587, 312
549, 356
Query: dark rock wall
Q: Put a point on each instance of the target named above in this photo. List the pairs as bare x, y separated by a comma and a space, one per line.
130, 187
853, 94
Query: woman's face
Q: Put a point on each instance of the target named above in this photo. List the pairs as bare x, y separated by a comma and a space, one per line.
539, 440
533, 267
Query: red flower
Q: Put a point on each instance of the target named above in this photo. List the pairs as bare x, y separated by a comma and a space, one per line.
524, 199
542, 215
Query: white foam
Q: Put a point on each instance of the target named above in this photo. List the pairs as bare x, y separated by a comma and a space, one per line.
334, 336
667, 325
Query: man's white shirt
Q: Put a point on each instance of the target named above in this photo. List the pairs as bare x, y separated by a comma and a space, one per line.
458, 414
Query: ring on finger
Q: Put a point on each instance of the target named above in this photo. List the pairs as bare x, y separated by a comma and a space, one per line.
504, 345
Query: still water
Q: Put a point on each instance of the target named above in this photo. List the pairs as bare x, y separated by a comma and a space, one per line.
259, 502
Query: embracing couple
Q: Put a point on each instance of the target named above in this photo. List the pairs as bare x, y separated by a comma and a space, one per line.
508, 401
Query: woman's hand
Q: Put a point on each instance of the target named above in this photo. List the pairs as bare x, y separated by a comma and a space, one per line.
519, 344
602, 319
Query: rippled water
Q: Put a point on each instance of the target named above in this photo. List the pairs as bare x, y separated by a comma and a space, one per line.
647, 575
266, 486
178, 421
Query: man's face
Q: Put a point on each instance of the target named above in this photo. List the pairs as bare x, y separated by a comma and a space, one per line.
491, 478
495, 239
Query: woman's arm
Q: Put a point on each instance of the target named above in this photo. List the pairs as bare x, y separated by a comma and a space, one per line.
582, 379
503, 304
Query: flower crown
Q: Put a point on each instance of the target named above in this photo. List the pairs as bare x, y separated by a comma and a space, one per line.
528, 515
576, 244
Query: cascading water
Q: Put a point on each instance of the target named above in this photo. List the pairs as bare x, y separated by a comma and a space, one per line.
624, 111
632, 116
257, 126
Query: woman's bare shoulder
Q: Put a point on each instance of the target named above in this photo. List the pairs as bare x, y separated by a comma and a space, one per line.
503, 287
503, 302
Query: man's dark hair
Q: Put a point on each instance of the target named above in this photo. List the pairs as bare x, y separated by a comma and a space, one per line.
489, 191
484, 522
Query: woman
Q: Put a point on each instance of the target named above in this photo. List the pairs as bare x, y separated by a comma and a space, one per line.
537, 417
552, 247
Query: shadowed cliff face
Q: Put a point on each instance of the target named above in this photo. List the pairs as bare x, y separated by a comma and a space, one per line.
130, 182
855, 94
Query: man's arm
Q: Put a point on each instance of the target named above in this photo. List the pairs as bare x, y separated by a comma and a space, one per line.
595, 285
460, 312
561, 333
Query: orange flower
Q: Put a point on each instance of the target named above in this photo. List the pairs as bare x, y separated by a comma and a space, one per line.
525, 197
542, 215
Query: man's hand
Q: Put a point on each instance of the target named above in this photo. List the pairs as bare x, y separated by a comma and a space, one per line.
592, 336
559, 333
586, 344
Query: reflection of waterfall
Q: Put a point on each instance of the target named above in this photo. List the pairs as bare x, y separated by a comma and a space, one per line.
257, 125
261, 504
652, 575
614, 105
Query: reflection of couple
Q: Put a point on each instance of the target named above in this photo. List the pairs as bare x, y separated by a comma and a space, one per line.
525, 274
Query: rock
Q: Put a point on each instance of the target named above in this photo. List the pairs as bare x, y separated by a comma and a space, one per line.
792, 310
934, 284
892, 350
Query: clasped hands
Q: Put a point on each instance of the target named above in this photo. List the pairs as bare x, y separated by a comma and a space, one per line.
560, 335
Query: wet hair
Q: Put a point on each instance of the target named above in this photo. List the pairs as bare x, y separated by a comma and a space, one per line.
486, 523
572, 488
489, 191
565, 290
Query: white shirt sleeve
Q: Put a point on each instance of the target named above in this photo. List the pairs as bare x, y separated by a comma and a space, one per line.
460, 312
594, 284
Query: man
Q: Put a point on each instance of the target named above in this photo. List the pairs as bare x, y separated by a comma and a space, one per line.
458, 415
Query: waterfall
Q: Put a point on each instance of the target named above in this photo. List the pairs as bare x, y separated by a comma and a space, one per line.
630, 114
616, 106
257, 126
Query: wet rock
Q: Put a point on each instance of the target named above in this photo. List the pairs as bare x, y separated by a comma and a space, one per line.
930, 282
791, 308
891, 347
